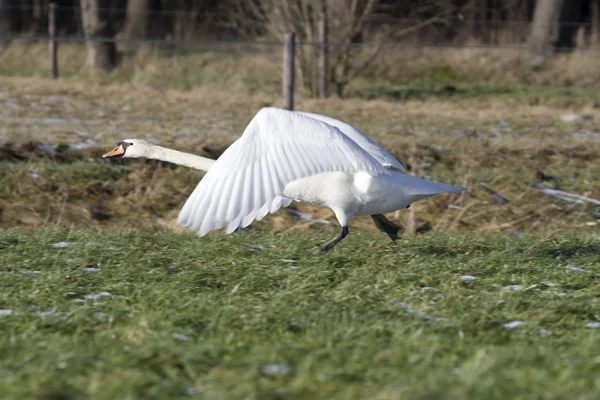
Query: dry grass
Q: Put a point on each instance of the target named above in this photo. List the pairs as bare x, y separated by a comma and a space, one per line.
248, 70
466, 142
160, 68
492, 66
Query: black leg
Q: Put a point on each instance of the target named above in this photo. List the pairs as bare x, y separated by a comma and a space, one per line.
386, 226
327, 246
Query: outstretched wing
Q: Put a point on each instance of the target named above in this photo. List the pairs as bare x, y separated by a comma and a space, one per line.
376, 151
249, 178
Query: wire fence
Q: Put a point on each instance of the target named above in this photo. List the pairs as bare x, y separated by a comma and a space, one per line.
208, 29
252, 45
457, 18
263, 46
61, 26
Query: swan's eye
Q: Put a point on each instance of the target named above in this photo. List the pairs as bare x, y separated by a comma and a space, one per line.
125, 145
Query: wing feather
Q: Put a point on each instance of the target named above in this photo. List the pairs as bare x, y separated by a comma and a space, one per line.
277, 147
368, 144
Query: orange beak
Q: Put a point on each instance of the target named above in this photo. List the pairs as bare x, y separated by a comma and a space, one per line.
118, 151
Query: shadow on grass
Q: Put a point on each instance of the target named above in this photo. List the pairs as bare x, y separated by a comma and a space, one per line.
569, 250
436, 250
465, 91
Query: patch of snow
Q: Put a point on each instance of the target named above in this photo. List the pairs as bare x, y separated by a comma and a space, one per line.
257, 247
276, 369
575, 117
585, 134
467, 278
53, 121
95, 296
62, 245
47, 148
26, 272
180, 336
496, 132
286, 260
513, 324
515, 288
33, 174
47, 313
575, 268
554, 292
418, 313
594, 324
90, 270
5, 312
191, 390
84, 145
544, 332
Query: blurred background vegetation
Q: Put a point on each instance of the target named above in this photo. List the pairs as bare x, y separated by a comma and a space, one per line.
398, 49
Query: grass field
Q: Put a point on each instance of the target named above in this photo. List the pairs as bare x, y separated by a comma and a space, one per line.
134, 314
486, 295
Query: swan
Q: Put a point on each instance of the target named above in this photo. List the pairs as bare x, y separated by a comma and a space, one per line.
286, 156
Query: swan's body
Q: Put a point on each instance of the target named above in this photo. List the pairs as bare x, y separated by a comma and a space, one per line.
284, 156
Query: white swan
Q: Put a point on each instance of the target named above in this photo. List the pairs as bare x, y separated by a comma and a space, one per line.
283, 156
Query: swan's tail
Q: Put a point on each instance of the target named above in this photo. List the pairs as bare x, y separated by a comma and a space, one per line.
417, 188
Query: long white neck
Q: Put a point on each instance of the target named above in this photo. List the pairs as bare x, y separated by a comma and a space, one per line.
180, 158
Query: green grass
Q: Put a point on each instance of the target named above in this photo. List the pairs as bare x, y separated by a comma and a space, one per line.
452, 90
333, 321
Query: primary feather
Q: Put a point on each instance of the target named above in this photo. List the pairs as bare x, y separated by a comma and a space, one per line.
277, 147
376, 151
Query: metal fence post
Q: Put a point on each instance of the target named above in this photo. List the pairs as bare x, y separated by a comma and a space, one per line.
52, 44
289, 50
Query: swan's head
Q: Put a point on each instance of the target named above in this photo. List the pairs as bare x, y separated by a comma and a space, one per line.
130, 148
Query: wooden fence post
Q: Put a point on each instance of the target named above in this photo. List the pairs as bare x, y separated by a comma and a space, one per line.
289, 50
323, 54
52, 44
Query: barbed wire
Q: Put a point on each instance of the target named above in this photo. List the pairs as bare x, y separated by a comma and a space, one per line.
490, 29
269, 45
383, 21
